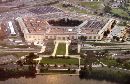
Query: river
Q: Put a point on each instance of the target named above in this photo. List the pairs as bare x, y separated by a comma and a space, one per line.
53, 79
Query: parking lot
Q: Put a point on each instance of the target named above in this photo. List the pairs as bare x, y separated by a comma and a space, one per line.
7, 59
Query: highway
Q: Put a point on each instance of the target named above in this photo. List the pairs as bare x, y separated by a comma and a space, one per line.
19, 50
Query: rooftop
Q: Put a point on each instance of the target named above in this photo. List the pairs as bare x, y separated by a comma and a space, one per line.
64, 25
62, 30
35, 25
93, 26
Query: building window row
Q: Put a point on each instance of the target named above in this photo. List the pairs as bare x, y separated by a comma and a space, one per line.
92, 37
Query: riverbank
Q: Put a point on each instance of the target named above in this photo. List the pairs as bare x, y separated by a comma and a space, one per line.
53, 79
106, 74
28, 75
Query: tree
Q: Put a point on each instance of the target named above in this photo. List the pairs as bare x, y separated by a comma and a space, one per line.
116, 38
124, 23
19, 62
89, 58
127, 65
30, 57
107, 9
118, 60
92, 56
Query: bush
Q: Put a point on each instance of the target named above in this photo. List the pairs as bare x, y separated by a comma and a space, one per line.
51, 57
64, 65
64, 56
68, 57
56, 56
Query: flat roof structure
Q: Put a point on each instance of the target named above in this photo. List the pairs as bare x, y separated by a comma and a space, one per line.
93, 26
90, 26
35, 25
62, 31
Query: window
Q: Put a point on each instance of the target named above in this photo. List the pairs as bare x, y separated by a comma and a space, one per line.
26, 36
29, 36
59, 38
46, 37
50, 37
68, 38
54, 37
86, 37
72, 37
94, 37
98, 37
90, 37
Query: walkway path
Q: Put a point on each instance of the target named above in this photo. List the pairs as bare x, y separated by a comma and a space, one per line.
67, 42
56, 45
37, 66
42, 49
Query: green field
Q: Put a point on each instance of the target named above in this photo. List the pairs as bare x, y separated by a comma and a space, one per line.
93, 5
120, 12
110, 62
61, 49
77, 10
72, 9
59, 61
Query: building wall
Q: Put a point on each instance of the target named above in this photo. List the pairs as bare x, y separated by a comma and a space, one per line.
34, 38
41, 37
93, 37
106, 27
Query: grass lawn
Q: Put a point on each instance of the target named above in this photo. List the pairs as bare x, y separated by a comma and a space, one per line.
110, 62
72, 9
93, 5
77, 10
60, 61
61, 49
120, 12
129, 8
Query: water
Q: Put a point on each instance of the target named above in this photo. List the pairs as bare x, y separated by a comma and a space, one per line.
53, 79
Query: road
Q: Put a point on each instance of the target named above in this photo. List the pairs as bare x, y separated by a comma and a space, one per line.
19, 50
79, 6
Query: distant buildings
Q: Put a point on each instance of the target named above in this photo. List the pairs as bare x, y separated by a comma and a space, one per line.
118, 3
